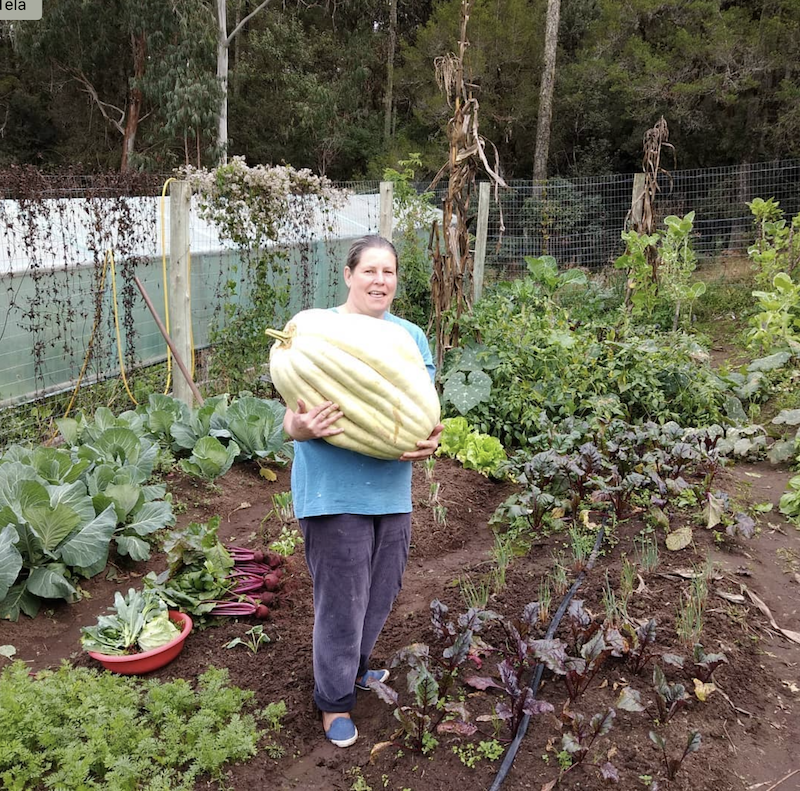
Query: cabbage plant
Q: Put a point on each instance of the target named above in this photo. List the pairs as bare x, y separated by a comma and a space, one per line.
50, 536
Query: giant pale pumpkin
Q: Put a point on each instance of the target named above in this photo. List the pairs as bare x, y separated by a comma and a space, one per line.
370, 367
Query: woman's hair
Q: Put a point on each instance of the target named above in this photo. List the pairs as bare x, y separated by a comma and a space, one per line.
365, 243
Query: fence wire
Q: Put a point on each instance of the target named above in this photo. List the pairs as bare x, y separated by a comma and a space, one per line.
55, 234
579, 221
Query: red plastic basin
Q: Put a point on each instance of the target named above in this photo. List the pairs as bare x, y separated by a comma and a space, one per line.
146, 661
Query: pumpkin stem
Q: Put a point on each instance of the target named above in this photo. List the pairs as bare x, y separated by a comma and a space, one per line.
284, 337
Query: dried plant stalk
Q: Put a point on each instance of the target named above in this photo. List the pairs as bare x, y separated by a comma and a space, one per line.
452, 267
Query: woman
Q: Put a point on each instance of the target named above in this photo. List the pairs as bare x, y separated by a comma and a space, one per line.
355, 515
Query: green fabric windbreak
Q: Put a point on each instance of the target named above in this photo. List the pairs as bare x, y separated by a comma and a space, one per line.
54, 311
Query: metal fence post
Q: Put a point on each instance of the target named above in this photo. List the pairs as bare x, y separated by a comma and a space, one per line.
386, 221
179, 297
480, 241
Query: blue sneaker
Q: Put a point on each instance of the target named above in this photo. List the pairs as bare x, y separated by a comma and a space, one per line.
371, 675
342, 733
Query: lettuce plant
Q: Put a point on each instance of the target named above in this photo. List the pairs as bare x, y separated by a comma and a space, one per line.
474, 450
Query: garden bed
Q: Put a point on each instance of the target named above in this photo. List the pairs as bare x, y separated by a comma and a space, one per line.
749, 726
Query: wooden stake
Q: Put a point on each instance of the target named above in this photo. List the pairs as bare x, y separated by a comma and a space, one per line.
160, 324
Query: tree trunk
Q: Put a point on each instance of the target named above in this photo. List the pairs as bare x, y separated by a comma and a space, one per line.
139, 47
546, 91
222, 77
223, 46
387, 118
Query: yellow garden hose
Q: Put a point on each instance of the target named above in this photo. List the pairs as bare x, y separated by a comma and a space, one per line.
164, 276
109, 259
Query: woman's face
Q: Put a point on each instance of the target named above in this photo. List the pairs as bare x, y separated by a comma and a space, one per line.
373, 283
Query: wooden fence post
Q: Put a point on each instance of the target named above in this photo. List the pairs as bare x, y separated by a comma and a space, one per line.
386, 221
179, 296
480, 241
637, 202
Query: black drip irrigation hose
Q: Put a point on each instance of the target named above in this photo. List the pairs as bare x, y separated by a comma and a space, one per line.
511, 753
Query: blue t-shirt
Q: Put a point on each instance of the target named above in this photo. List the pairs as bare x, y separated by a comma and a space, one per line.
329, 480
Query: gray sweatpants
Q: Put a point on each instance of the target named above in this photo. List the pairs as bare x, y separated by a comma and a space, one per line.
356, 564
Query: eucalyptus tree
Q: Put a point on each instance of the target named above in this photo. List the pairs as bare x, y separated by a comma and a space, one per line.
132, 61
224, 41
546, 90
310, 88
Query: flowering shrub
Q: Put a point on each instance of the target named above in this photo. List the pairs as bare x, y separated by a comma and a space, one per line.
262, 210
253, 205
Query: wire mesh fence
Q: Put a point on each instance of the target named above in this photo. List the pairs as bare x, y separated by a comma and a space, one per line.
579, 221
70, 248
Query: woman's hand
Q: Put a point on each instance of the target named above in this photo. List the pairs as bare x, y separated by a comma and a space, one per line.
427, 447
315, 423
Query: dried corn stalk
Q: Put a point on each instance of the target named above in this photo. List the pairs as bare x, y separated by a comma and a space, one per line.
452, 268
654, 140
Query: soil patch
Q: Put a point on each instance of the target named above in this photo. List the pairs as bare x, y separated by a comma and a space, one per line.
749, 726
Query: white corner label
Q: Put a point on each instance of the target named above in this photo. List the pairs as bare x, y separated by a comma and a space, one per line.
20, 9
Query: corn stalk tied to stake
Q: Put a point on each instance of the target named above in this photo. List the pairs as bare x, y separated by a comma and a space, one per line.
452, 269
654, 140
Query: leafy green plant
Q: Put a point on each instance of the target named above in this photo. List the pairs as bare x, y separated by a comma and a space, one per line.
78, 728
413, 212
581, 736
777, 323
559, 574
475, 593
647, 551
777, 245
544, 270
255, 427
440, 514
210, 459
431, 680
676, 265
196, 423
287, 542
50, 537
470, 754
670, 698
790, 499
641, 644
198, 568
474, 450
700, 665
122, 460
282, 508
637, 261
138, 621
253, 639
466, 381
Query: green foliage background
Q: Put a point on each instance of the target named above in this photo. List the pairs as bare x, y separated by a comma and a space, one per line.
307, 82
